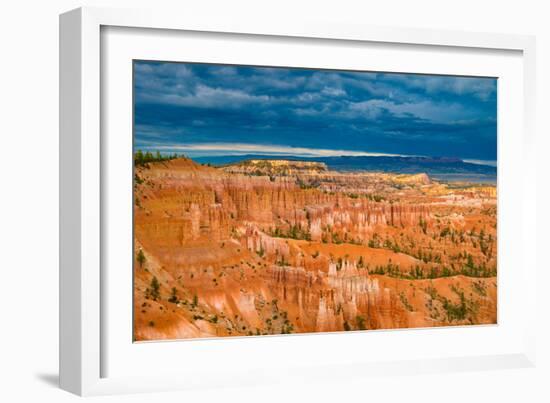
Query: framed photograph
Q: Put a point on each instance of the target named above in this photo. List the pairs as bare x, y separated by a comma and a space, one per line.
237, 197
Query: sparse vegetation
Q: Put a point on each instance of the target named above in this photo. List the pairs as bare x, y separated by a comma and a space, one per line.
140, 257
153, 292
143, 158
294, 232
480, 288
174, 296
405, 302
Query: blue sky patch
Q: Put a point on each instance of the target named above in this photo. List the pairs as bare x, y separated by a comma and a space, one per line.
208, 110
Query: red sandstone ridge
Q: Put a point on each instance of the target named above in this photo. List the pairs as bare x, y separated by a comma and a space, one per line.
288, 247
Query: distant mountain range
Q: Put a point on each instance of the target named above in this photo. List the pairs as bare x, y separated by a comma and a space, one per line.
437, 166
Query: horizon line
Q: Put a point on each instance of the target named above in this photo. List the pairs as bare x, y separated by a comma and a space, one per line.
202, 150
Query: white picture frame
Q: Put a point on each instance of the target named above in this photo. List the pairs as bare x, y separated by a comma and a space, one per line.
83, 169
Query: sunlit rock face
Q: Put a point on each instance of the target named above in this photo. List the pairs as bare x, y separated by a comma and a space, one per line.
284, 247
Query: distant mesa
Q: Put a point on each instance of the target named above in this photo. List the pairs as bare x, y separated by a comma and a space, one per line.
279, 167
391, 164
287, 163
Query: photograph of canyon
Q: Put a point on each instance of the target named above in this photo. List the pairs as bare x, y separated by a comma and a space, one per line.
274, 201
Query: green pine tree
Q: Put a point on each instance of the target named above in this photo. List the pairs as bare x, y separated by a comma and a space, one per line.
141, 259
154, 290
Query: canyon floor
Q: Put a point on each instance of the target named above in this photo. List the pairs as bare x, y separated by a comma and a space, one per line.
265, 247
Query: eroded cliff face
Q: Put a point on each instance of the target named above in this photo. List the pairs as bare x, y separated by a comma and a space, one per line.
274, 249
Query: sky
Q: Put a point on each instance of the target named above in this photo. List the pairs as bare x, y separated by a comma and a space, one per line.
212, 110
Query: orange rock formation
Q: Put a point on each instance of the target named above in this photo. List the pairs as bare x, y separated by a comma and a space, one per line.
280, 247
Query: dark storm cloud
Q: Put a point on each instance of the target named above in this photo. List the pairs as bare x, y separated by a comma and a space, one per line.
193, 105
